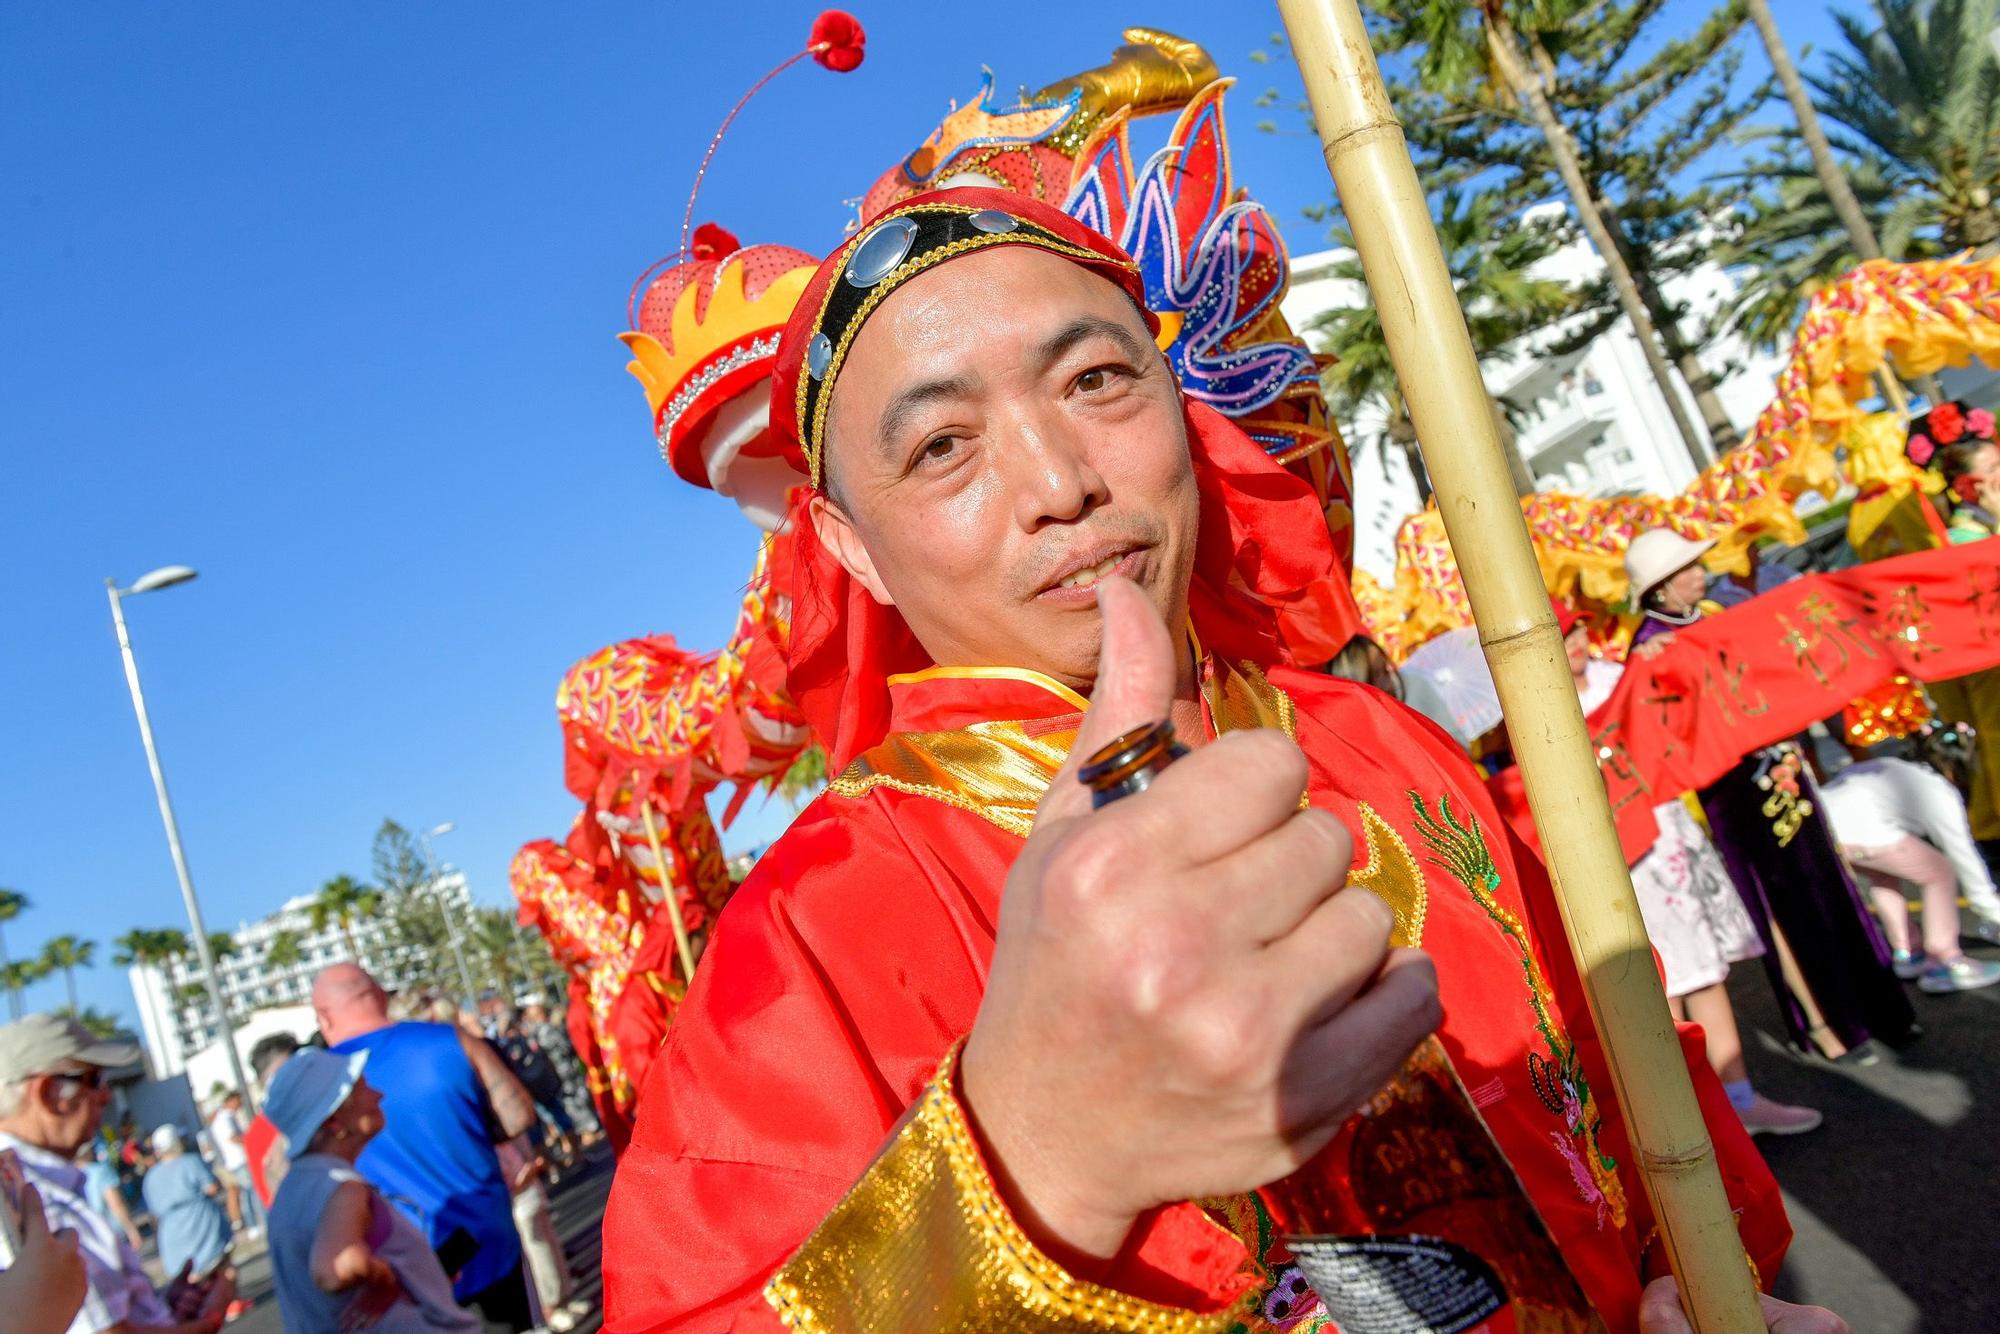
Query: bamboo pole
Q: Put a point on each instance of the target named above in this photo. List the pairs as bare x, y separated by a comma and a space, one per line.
1434, 361
1892, 390
673, 900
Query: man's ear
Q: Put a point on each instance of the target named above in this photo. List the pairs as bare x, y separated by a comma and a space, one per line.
837, 534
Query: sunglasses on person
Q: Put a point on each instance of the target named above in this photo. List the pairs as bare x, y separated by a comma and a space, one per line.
71, 1083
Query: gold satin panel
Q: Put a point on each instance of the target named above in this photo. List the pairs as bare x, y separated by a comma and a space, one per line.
923, 1242
998, 772
994, 770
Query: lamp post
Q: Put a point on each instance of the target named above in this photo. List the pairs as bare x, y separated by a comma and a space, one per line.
166, 577
450, 922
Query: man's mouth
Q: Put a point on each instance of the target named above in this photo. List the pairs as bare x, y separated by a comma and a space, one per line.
1085, 578
1080, 579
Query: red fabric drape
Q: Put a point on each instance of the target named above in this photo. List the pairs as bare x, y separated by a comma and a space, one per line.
1768, 668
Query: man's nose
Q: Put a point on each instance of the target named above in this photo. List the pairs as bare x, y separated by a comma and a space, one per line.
1052, 476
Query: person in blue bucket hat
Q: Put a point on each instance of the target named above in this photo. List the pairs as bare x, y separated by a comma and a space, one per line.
343, 1257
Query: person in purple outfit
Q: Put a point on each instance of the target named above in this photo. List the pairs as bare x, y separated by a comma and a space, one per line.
1823, 953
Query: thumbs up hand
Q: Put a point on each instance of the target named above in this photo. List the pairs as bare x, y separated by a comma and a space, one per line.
1183, 1002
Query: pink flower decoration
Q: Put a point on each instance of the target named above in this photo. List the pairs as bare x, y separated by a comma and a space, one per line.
1921, 449
1980, 422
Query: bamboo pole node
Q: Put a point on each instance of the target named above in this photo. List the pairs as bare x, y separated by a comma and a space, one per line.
1691, 1159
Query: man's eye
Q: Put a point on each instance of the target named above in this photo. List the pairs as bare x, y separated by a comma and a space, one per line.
1094, 379
938, 450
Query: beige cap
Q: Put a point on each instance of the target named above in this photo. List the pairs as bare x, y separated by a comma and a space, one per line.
1655, 555
39, 1043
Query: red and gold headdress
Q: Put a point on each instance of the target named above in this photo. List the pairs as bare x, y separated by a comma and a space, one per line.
706, 328
1262, 551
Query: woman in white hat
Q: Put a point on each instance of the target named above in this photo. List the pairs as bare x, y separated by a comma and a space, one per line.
1668, 582
343, 1258
1763, 818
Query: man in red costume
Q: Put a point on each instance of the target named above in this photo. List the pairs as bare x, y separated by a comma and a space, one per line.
964, 1053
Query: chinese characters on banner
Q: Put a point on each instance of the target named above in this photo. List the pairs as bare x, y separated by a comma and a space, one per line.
1765, 670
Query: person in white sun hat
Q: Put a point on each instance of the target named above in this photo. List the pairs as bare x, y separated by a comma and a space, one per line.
1790, 878
343, 1258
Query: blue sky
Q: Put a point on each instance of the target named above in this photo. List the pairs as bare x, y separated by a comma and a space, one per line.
323, 301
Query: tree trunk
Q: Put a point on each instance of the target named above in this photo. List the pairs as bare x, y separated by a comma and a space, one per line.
1501, 41
7, 971
1721, 431
1831, 178
1510, 444
69, 985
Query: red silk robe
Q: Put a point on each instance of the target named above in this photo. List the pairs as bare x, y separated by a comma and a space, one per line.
855, 955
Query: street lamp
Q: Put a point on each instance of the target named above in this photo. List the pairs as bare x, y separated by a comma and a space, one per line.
444, 910
166, 577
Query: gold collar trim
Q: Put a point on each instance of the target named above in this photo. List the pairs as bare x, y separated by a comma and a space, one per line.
999, 771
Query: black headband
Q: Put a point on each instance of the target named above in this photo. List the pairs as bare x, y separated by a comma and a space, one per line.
887, 254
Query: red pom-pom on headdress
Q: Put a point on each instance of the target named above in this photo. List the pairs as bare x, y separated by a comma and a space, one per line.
837, 41
713, 242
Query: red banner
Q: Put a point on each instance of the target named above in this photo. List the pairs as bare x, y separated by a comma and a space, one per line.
1769, 668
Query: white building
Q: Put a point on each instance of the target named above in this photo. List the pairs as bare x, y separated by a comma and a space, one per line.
178, 1023
1592, 422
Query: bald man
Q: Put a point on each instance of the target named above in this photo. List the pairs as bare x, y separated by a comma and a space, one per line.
446, 1099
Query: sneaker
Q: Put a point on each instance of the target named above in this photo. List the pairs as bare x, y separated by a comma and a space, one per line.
1909, 964
1764, 1117
1960, 974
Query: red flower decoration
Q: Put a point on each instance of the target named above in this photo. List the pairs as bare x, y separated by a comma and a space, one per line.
1921, 450
837, 41
1947, 423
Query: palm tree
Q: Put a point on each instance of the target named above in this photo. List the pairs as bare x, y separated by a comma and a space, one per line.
1458, 47
1915, 108
12, 904
1920, 98
341, 900
18, 974
286, 950
69, 953
496, 937
284, 954
140, 948
805, 776
171, 945
1492, 261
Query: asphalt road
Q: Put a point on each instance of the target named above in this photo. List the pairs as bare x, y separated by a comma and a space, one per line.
1895, 1201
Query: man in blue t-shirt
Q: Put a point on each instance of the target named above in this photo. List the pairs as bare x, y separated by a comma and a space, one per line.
446, 1100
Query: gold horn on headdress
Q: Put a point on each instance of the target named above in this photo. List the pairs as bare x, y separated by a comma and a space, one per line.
1153, 71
